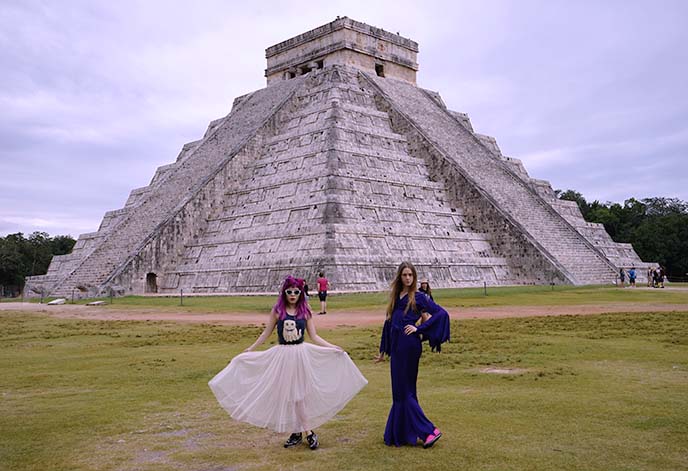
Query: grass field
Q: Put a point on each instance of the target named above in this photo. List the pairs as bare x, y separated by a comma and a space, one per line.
600, 392
463, 297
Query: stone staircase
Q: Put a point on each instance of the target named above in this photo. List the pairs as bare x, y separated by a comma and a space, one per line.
319, 172
520, 204
180, 185
334, 188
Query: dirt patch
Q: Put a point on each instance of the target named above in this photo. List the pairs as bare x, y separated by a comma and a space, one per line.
334, 319
503, 371
149, 456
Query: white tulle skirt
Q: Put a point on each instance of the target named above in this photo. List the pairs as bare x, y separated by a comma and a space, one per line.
287, 388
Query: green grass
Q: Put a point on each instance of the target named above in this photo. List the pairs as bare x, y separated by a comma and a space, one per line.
557, 296
463, 297
602, 392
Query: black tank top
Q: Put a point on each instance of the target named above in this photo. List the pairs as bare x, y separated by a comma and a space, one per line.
290, 330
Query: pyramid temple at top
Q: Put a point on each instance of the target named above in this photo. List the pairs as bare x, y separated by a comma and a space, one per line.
341, 164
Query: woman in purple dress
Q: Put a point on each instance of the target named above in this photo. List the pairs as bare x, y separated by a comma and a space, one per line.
402, 342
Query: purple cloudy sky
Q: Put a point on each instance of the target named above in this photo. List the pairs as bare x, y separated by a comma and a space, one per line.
95, 95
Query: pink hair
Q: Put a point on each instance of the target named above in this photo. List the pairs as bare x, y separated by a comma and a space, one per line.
303, 310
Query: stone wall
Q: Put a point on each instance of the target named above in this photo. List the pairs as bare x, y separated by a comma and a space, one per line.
527, 263
343, 42
343, 172
555, 238
335, 189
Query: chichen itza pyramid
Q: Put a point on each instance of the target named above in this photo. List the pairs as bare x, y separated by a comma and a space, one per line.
342, 164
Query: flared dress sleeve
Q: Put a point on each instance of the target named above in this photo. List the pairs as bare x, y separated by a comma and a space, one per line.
436, 329
386, 339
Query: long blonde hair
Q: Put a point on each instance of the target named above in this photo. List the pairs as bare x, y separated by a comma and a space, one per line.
397, 286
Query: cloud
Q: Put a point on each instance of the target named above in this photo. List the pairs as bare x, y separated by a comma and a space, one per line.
58, 225
640, 146
96, 95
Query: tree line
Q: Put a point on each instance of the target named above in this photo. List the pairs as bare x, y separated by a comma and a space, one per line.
27, 256
657, 227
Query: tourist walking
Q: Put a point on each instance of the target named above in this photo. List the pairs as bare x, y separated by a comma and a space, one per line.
294, 386
622, 277
631, 277
323, 285
402, 342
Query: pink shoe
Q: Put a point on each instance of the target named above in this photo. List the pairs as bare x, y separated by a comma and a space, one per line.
432, 438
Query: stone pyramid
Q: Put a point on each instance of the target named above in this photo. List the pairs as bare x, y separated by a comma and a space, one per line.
341, 164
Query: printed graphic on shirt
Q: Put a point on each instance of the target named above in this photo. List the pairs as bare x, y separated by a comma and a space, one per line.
290, 332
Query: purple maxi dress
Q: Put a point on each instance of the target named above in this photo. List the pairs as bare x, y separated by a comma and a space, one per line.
407, 422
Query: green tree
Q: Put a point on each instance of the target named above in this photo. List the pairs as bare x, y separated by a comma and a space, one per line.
656, 227
21, 257
11, 260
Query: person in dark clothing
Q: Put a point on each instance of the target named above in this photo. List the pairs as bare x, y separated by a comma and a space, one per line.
425, 288
402, 342
656, 274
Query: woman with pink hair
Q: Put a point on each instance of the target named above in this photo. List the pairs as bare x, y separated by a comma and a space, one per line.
294, 386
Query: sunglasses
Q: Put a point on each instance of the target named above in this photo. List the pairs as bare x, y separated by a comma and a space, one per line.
292, 292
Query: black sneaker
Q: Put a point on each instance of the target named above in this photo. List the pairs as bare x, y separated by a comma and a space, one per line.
293, 440
313, 442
